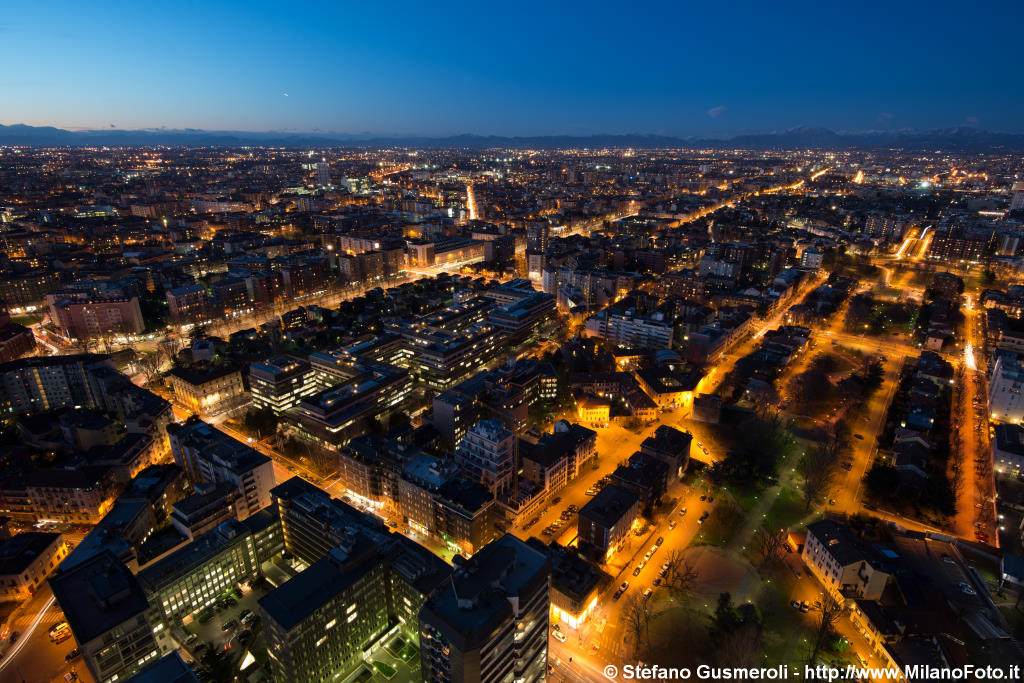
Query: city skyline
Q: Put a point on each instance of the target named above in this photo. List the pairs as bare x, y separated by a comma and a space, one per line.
463, 69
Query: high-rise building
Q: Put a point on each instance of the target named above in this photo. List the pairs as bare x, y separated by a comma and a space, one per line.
537, 238
485, 455
34, 385
323, 174
189, 304
109, 616
363, 584
279, 383
80, 316
209, 455
489, 624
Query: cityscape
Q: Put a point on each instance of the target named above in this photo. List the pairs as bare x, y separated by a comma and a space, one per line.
725, 400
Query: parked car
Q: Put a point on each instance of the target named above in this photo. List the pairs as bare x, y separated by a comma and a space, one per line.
559, 636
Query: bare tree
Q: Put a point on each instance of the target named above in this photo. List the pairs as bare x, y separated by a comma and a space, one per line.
818, 468
771, 543
149, 365
828, 610
637, 618
681, 575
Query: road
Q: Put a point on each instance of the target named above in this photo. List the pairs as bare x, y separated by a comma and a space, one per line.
970, 448
33, 658
604, 639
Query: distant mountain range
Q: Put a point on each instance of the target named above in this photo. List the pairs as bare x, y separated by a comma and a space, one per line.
959, 139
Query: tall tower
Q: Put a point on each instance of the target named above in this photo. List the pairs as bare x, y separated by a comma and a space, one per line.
323, 172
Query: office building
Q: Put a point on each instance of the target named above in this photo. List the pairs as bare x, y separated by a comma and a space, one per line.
362, 585
443, 358
367, 392
489, 624
279, 383
194, 576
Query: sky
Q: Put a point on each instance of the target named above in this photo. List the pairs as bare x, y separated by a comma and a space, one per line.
687, 68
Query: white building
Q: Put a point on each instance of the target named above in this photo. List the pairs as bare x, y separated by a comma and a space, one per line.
841, 563
485, 455
626, 328
1006, 402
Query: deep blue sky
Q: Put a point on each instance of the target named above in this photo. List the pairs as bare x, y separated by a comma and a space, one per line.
516, 68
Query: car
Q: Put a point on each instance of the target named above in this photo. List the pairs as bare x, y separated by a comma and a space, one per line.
636, 572
858, 436
72, 655
703, 498
14, 637
556, 627
711, 499
244, 613
661, 539
701, 520
623, 586
617, 595
70, 676
682, 513
672, 524
574, 508
228, 625
831, 501
804, 607
657, 581
244, 636
557, 500
966, 588
648, 593
666, 565
795, 604
559, 636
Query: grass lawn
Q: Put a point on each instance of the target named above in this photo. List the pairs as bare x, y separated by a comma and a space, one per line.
745, 497
721, 525
385, 670
26, 320
408, 653
395, 646
787, 510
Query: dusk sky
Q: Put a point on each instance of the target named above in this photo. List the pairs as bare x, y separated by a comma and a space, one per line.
523, 68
